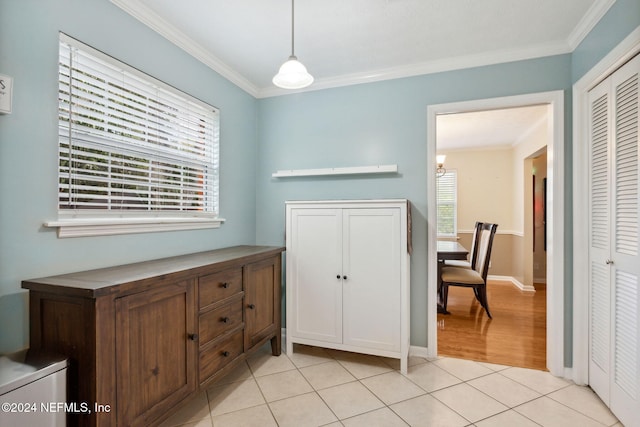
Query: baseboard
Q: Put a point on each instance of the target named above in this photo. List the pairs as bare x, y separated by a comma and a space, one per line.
540, 280
414, 350
515, 282
568, 374
424, 352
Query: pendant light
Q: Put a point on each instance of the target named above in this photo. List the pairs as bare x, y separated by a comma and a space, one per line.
440, 171
292, 74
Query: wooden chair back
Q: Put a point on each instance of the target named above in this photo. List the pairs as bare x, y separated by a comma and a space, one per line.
484, 244
474, 245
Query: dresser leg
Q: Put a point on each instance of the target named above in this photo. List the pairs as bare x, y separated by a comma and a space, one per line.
276, 345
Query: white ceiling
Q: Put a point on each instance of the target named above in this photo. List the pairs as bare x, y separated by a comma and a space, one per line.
488, 129
346, 42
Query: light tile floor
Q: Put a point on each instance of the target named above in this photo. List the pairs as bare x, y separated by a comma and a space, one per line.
319, 387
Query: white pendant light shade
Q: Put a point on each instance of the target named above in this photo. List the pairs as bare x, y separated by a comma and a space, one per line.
292, 75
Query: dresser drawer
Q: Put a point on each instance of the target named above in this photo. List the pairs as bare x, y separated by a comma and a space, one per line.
216, 322
218, 286
219, 355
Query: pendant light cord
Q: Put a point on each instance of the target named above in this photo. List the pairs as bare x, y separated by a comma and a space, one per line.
292, 37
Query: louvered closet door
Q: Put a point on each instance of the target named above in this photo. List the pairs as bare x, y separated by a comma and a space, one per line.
615, 272
599, 228
625, 270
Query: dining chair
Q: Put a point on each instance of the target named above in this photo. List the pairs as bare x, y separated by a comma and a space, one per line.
475, 277
473, 253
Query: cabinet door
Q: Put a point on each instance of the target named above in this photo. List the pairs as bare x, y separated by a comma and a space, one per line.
371, 273
262, 300
315, 257
155, 359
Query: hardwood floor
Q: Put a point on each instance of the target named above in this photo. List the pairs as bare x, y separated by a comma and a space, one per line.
516, 336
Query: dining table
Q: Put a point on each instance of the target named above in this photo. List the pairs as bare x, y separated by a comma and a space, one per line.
448, 250
451, 250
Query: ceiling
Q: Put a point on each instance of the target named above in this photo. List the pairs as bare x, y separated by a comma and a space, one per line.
488, 129
345, 42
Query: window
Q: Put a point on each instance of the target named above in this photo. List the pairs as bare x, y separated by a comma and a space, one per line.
447, 197
131, 146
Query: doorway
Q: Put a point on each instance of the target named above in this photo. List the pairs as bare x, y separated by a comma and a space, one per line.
499, 160
555, 207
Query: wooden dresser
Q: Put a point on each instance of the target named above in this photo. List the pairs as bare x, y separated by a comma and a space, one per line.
142, 338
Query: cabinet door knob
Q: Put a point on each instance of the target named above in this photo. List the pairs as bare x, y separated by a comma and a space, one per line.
193, 337
338, 277
225, 320
224, 285
609, 261
344, 277
251, 306
226, 353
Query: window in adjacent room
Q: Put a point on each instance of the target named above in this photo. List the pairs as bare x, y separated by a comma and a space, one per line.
132, 147
446, 196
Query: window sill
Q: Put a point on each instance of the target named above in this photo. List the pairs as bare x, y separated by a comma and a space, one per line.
112, 226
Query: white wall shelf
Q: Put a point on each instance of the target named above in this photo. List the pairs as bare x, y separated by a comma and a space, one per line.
336, 171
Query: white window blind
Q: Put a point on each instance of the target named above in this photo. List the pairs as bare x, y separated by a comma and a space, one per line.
130, 144
446, 197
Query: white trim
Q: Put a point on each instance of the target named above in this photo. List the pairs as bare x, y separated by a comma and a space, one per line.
515, 282
555, 179
589, 21
416, 351
112, 226
336, 171
348, 203
139, 11
528, 132
151, 19
430, 67
624, 51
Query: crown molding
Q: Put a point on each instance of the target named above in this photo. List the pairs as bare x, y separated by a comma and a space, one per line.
151, 19
588, 21
530, 130
430, 67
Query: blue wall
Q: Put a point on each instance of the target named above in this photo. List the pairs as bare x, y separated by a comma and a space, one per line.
28, 148
620, 20
376, 123
385, 123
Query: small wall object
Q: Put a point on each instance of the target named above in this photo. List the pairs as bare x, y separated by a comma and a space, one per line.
6, 91
336, 171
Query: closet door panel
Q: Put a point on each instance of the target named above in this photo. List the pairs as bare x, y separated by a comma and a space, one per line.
371, 273
599, 240
316, 257
625, 375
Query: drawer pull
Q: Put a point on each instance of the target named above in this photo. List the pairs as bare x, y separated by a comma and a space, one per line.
226, 353
251, 306
224, 285
225, 320
193, 337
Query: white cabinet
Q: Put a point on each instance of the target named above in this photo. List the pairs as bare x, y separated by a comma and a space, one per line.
614, 242
348, 276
